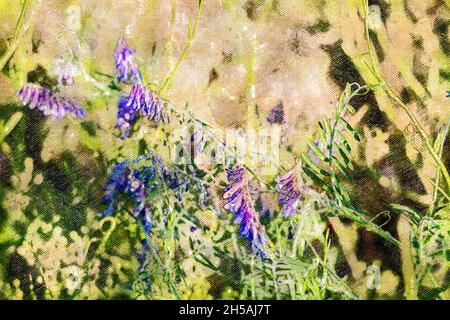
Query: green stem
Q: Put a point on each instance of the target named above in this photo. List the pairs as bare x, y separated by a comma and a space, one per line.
443, 135
191, 35
18, 33
275, 280
108, 233
393, 95
10, 125
325, 266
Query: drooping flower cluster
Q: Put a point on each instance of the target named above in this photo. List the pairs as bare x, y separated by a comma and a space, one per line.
48, 102
239, 203
141, 102
126, 68
276, 115
138, 180
289, 192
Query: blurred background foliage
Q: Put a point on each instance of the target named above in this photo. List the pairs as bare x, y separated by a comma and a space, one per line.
247, 56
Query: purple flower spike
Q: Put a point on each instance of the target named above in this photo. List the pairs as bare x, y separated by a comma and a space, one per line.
239, 203
48, 102
126, 68
276, 115
141, 101
289, 191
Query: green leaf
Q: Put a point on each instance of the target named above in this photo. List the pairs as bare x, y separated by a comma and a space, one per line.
343, 155
351, 109
316, 179
317, 151
327, 124
205, 261
342, 190
343, 169
350, 129
323, 135
351, 214
344, 141
310, 163
320, 124
411, 213
6, 129
347, 125
438, 142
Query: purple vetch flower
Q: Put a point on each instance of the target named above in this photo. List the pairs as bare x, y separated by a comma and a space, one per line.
48, 102
276, 115
203, 195
146, 219
138, 178
126, 68
207, 147
141, 101
239, 203
136, 186
126, 117
199, 139
173, 179
289, 192
116, 184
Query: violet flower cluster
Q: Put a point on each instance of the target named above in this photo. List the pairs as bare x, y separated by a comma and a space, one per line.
138, 181
289, 192
48, 102
141, 102
276, 115
126, 68
239, 203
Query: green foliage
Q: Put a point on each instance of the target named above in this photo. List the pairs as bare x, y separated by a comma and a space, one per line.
328, 163
54, 245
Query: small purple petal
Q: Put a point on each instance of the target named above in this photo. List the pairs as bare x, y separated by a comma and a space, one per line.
126, 68
289, 192
239, 203
276, 115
